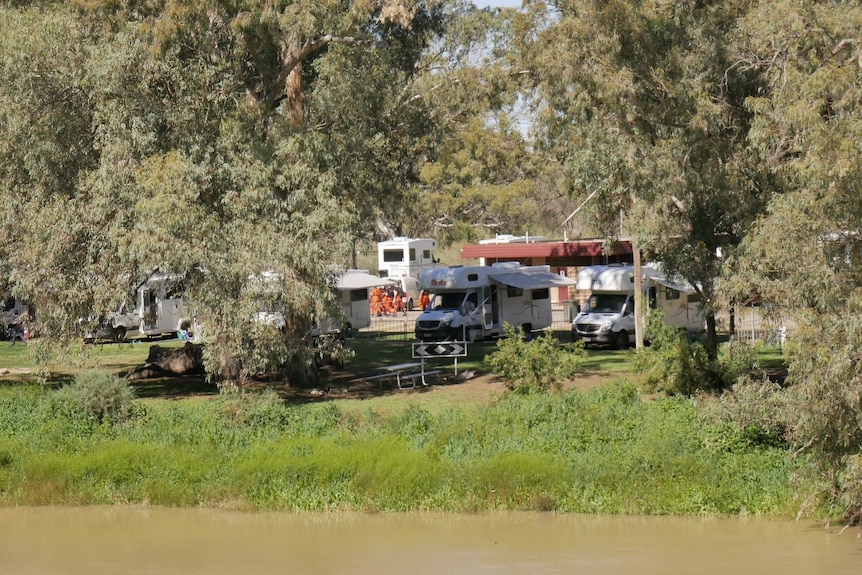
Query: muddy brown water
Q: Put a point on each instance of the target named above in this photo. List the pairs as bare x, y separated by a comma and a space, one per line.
157, 541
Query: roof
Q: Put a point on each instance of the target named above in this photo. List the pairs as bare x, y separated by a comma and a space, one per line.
358, 279
531, 279
563, 249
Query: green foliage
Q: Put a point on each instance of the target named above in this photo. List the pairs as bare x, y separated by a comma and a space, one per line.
535, 364
100, 395
601, 451
672, 363
675, 364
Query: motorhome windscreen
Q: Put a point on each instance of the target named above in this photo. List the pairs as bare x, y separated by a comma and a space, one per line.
448, 300
605, 303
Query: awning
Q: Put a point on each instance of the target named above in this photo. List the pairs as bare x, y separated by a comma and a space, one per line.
531, 280
672, 285
362, 280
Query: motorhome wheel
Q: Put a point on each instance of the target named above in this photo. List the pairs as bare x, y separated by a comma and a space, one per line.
622, 340
119, 335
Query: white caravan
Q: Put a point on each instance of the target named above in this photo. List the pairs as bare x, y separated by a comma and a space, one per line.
159, 309
608, 316
474, 302
405, 257
352, 286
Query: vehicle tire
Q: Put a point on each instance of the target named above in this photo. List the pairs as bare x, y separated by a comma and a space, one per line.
621, 340
119, 335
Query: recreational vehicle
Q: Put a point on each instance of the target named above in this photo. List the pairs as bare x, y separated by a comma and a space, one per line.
608, 316
352, 286
405, 257
475, 302
159, 309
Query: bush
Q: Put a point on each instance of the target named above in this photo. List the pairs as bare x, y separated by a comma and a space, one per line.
99, 394
673, 364
537, 364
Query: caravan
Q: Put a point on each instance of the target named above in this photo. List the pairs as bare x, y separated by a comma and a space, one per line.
608, 316
475, 302
405, 257
352, 287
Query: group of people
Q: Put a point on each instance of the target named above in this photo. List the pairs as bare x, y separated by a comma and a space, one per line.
387, 301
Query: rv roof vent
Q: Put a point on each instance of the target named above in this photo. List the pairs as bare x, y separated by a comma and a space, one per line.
506, 265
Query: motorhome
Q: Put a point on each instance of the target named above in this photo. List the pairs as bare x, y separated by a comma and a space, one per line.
469, 303
353, 287
608, 315
159, 308
405, 257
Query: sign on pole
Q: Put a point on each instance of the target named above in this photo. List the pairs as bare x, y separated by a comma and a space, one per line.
440, 349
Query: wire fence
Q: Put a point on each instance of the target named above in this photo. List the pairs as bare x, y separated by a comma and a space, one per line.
751, 325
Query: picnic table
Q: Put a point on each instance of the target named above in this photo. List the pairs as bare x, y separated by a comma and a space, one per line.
403, 373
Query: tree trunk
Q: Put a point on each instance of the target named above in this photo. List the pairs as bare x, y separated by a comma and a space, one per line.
711, 343
639, 324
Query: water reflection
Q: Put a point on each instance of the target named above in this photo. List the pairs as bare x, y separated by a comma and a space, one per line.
157, 541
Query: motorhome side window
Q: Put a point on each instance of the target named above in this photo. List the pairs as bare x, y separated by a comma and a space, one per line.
174, 289
670, 293
9, 304
512, 291
543, 293
412, 254
426, 254
472, 277
393, 256
358, 294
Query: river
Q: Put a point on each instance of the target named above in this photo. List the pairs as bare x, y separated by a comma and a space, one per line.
158, 541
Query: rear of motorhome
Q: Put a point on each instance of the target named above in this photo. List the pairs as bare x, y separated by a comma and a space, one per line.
607, 317
405, 257
14, 312
469, 303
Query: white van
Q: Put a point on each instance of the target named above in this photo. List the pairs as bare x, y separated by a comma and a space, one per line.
409, 286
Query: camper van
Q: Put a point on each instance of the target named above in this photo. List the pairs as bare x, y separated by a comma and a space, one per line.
608, 316
405, 257
158, 309
469, 303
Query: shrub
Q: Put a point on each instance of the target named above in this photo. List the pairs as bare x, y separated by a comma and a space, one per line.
673, 364
99, 394
535, 364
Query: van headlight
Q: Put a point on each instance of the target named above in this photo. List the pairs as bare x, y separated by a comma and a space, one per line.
607, 326
446, 322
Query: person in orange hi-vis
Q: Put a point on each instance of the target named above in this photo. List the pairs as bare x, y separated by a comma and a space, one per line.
398, 304
424, 300
376, 302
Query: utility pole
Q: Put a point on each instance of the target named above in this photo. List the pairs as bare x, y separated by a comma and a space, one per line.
639, 295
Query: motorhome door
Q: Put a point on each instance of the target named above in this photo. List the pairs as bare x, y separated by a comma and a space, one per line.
485, 294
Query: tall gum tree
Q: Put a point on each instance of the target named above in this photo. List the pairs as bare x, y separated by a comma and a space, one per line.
641, 103
211, 138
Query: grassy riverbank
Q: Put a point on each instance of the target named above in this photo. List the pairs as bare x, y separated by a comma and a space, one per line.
605, 450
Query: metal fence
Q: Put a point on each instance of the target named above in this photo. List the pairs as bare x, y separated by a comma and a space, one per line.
751, 325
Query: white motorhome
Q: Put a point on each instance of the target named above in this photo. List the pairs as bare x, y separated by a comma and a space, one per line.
159, 309
474, 302
405, 257
608, 316
353, 287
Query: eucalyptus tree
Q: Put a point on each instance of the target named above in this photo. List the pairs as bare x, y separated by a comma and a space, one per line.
213, 138
805, 255
640, 103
